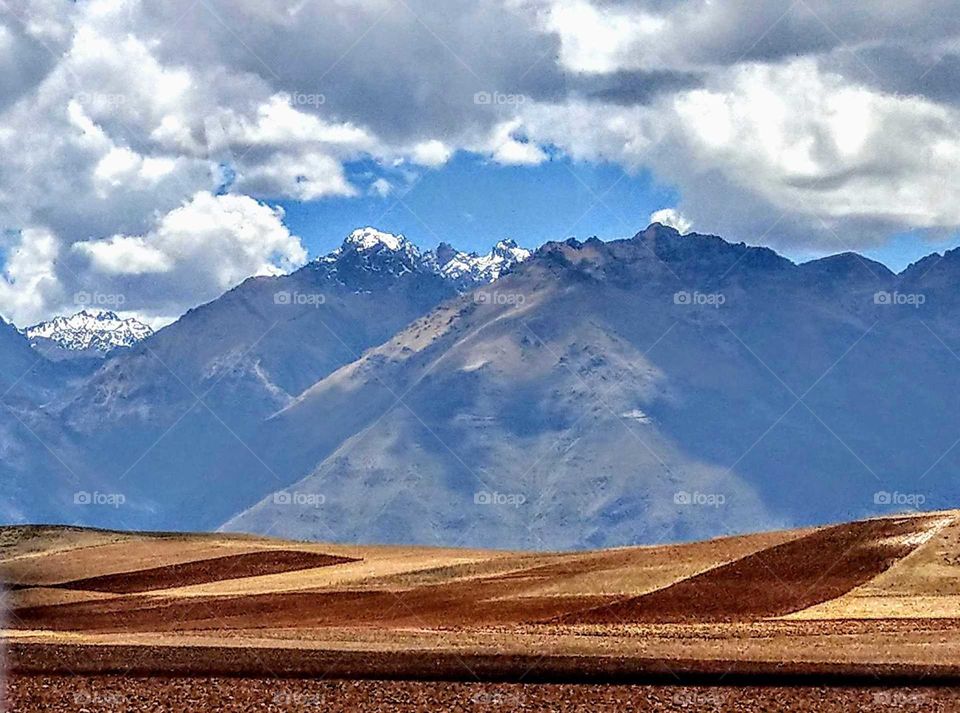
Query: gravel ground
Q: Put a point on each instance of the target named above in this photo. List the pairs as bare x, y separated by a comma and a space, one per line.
118, 694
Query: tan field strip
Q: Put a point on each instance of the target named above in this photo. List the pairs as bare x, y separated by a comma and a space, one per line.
877, 593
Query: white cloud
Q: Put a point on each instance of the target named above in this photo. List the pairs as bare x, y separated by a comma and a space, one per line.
832, 164
431, 153
193, 254
673, 218
508, 146
283, 151
124, 255
123, 167
29, 282
602, 38
114, 115
305, 176
811, 144
381, 187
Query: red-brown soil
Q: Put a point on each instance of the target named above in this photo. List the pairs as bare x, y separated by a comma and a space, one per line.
138, 607
213, 569
773, 582
166, 694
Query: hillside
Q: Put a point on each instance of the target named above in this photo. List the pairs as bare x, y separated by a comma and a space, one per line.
660, 388
825, 601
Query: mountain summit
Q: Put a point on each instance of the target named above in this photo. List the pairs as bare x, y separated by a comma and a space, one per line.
90, 332
377, 251
471, 268
662, 387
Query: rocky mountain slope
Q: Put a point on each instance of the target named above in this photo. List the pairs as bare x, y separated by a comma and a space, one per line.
650, 389
168, 422
658, 388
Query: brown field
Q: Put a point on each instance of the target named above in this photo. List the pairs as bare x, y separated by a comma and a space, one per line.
871, 609
237, 695
212, 569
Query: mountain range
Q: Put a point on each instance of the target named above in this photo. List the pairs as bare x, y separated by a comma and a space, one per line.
658, 388
88, 333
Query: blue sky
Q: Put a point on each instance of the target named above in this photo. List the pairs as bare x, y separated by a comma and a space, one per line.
472, 202
906, 248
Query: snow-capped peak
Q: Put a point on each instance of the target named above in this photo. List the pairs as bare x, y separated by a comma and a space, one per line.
89, 329
370, 238
376, 251
370, 241
508, 250
373, 251
481, 268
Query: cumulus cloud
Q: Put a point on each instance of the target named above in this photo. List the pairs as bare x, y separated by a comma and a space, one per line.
29, 281
673, 218
609, 35
381, 187
190, 255
509, 146
193, 254
602, 38
822, 123
789, 153
803, 140
431, 153
124, 255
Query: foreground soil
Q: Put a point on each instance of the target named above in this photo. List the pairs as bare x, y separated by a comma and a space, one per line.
860, 616
511, 659
27, 693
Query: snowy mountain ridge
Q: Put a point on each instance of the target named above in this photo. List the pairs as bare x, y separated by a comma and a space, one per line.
96, 332
460, 266
380, 251
88, 330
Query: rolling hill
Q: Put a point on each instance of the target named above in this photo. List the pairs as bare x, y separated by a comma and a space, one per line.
874, 597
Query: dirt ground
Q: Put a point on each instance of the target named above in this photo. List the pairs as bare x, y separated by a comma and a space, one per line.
213, 569
108, 694
859, 616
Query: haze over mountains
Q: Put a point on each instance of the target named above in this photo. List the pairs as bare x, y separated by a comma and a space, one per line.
658, 388
162, 422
